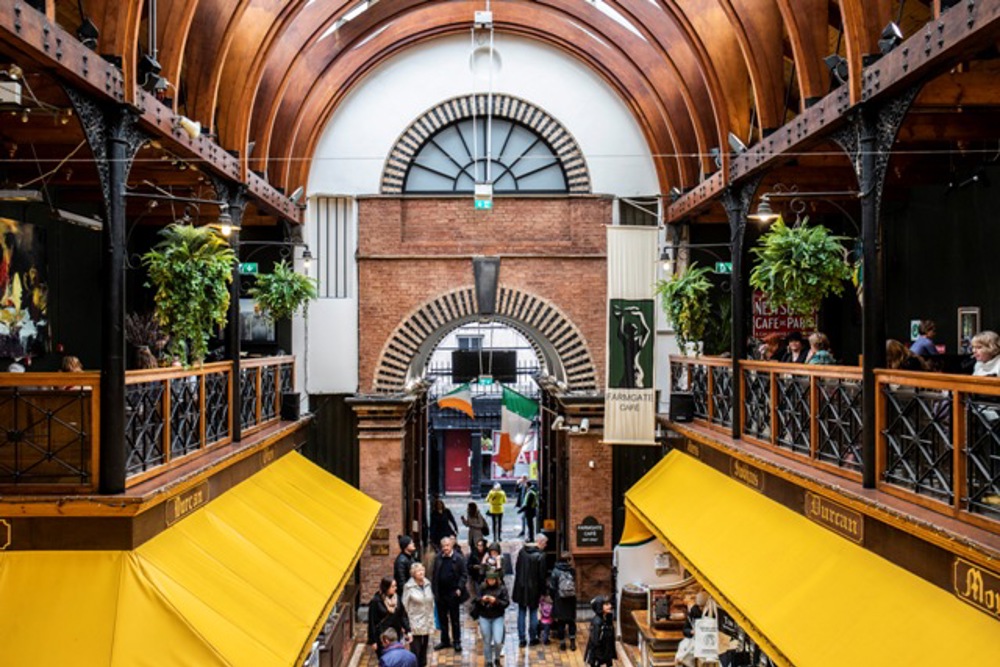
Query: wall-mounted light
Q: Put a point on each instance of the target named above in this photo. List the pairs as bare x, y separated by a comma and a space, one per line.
837, 64
764, 212
892, 36
736, 144
307, 258
675, 193
296, 195
191, 127
225, 224
667, 259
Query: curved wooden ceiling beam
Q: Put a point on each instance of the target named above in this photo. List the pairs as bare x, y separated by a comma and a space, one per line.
172, 37
863, 22
212, 32
757, 24
300, 136
118, 23
808, 32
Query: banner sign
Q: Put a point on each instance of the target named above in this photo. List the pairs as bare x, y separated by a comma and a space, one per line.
630, 396
769, 319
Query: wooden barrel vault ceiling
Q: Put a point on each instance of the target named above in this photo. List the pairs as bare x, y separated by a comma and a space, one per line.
264, 76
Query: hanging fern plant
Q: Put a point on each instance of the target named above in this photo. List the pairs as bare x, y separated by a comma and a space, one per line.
686, 303
800, 266
283, 292
190, 269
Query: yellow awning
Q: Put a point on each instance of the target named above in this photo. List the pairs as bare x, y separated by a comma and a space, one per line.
246, 580
809, 597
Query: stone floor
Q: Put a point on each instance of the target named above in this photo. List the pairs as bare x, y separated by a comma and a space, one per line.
511, 519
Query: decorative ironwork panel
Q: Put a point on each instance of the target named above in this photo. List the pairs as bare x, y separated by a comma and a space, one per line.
45, 436
918, 441
839, 421
679, 378
722, 395
268, 393
757, 404
185, 416
248, 397
287, 377
699, 390
216, 407
143, 426
793, 413
982, 414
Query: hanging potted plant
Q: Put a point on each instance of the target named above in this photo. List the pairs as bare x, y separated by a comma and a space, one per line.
283, 292
685, 301
799, 266
190, 269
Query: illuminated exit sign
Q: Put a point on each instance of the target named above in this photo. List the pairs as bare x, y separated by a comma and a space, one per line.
483, 196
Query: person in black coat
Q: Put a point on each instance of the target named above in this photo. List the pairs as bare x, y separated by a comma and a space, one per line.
529, 584
443, 523
601, 644
386, 611
488, 609
404, 561
562, 588
449, 586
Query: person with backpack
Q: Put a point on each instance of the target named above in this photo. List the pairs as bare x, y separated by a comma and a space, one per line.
529, 508
529, 584
601, 644
562, 588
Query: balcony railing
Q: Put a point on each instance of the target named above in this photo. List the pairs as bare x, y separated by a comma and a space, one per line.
50, 433
938, 435
263, 382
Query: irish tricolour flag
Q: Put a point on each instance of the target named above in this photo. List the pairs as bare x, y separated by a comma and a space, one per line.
459, 398
516, 418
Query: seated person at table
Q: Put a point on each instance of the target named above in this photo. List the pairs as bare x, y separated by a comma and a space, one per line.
796, 351
819, 350
770, 348
897, 357
924, 346
986, 351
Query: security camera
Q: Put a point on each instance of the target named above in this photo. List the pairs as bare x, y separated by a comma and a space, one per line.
557, 423
584, 425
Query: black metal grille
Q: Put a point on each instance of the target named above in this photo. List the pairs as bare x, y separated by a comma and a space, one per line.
143, 426
248, 397
268, 393
982, 415
46, 439
839, 422
216, 407
699, 390
185, 416
757, 404
678, 376
287, 375
722, 395
793, 413
918, 441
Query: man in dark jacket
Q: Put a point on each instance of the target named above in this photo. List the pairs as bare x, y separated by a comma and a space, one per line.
530, 582
405, 559
529, 509
448, 584
394, 652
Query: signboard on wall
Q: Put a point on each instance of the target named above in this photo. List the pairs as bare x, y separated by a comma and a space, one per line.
770, 319
590, 533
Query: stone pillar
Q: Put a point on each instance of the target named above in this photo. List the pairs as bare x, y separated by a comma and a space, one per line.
381, 443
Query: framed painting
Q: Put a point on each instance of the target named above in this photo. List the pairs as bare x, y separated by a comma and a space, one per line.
968, 326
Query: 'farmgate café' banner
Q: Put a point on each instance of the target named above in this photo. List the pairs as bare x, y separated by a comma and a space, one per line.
630, 397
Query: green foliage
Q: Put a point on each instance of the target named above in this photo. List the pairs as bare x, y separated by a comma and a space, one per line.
686, 303
190, 269
283, 292
800, 266
719, 332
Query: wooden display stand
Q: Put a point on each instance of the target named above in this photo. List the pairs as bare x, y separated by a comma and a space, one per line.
657, 646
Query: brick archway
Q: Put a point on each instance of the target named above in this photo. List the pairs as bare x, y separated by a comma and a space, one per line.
503, 106
557, 341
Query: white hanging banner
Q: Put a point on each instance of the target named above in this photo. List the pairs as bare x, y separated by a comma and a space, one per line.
630, 395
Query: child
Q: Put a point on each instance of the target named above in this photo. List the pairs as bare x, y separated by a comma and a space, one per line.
601, 644
545, 617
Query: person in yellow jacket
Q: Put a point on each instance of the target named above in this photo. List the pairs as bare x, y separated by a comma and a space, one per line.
496, 499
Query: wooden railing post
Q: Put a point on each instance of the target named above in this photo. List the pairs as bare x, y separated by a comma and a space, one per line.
813, 417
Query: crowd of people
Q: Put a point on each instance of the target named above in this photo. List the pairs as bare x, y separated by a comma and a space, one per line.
791, 349
427, 595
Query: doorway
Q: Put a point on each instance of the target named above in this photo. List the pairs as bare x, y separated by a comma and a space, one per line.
457, 468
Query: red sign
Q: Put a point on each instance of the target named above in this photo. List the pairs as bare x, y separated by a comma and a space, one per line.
769, 319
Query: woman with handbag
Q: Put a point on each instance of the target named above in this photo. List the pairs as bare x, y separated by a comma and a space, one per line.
476, 524
386, 611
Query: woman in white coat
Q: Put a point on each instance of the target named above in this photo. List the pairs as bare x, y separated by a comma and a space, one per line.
418, 600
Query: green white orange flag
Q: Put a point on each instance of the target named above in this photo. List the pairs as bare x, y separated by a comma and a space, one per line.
516, 417
459, 398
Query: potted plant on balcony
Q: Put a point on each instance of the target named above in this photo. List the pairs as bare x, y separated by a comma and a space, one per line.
190, 269
686, 303
799, 266
283, 292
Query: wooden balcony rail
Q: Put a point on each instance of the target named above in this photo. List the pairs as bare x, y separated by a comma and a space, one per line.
51, 432
173, 412
262, 382
710, 381
939, 442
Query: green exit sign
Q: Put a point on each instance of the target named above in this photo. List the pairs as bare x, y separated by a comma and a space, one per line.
485, 379
723, 267
483, 204
248, 268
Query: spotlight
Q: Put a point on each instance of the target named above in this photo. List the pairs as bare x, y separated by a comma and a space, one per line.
88, 33
149, 74
296, 195
191, 127
892, 36
557, 423
716, 157
675, 193
736, 145
837, 65
585, 426
764, 212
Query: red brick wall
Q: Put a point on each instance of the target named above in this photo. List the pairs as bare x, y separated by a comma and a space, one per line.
381, 474
412, 250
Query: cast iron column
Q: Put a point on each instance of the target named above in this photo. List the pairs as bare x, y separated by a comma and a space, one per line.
234, 195
872, 312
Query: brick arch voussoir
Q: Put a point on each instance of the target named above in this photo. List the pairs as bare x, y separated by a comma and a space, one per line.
505, 106
532, 315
